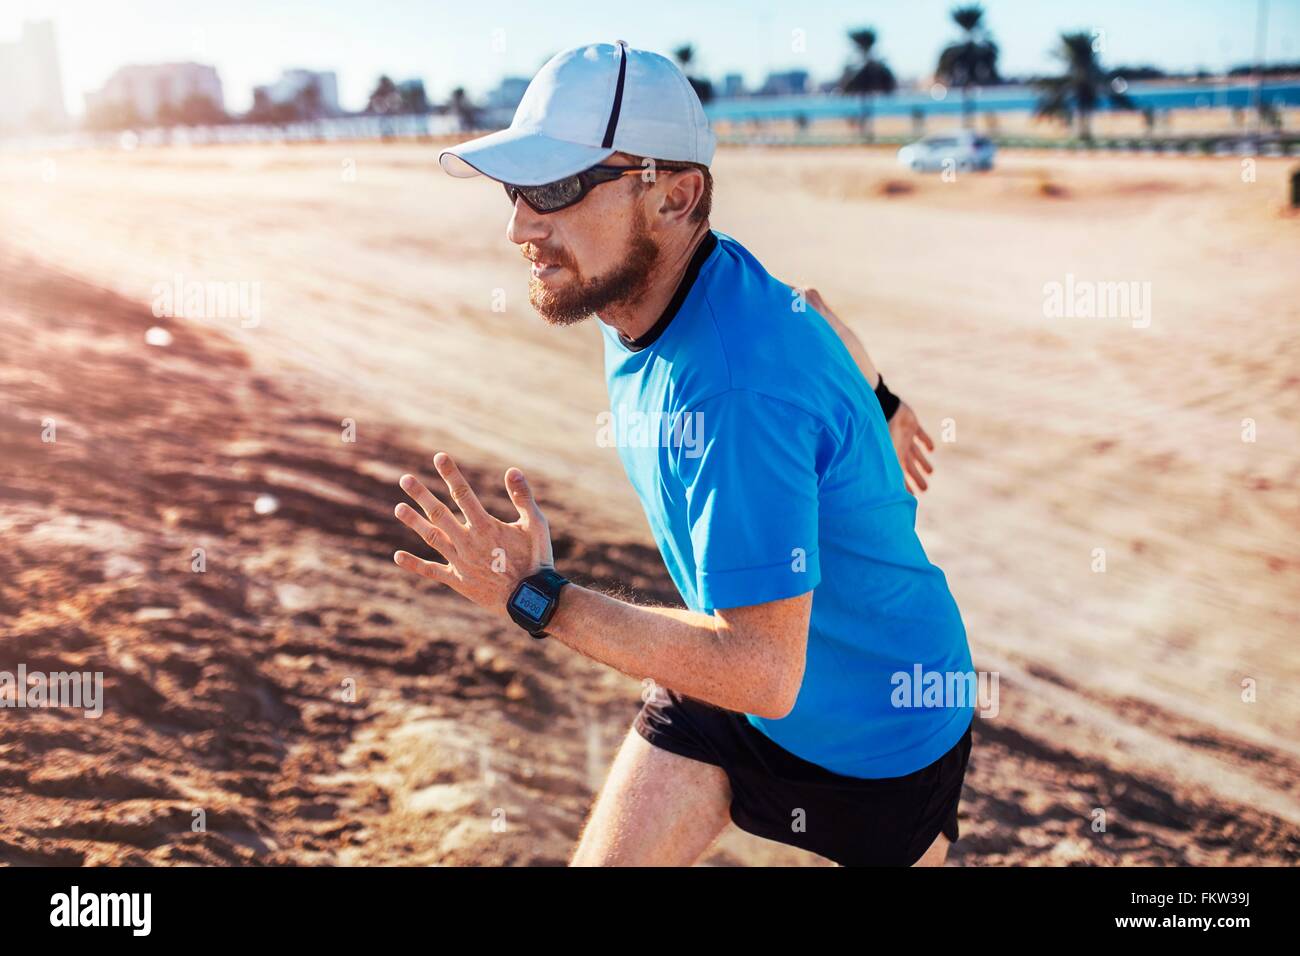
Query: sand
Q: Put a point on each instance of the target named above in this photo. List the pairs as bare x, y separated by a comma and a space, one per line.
320, 707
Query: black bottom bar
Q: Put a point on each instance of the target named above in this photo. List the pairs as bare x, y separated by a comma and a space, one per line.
442, 906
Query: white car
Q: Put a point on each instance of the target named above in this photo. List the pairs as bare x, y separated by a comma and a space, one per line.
963, 150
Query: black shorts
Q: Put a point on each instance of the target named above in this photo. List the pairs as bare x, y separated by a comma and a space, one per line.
890, 821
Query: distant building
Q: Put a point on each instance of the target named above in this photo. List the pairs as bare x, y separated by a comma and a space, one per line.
292, 85
785, 84
733, 84
507, 94
498, 108
157, 93
31, 80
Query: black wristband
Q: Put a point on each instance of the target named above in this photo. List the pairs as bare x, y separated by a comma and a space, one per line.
889, 402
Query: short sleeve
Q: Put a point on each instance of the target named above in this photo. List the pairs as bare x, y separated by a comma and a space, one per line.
750, 483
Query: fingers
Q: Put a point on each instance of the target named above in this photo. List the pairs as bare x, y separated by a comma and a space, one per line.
433, 536
909, 438
914, 473
522, 497
442, 573
925, 462
438, 513
461, 492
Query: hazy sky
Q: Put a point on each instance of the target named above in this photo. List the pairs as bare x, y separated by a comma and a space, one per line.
473, 43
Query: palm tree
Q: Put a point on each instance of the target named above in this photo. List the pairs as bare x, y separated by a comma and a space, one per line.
308, 101
868, 77
684, 55
972, 61
414, 99
466, 113
1080, 90
384, 98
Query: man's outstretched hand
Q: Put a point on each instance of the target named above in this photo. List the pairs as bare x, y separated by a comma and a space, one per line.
485, 557
908, 437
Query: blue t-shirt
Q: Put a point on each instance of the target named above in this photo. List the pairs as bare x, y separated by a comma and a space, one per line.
765, 468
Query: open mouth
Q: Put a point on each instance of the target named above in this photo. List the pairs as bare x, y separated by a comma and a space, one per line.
544, 270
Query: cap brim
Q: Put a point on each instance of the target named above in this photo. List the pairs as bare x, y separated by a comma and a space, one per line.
520, 157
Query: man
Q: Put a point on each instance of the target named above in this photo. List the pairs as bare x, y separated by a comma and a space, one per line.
771, 488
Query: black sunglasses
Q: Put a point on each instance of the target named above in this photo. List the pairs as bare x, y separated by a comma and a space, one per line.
566, 192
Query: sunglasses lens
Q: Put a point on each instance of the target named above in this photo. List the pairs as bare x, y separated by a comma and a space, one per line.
554, 195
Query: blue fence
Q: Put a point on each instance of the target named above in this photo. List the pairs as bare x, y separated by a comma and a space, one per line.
1000, 99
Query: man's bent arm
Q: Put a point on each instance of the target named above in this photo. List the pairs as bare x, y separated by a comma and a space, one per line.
747, 659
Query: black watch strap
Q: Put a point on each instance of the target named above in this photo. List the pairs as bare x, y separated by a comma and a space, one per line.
546, 582
889, 402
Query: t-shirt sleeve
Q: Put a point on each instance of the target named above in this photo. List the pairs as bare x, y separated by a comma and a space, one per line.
750, 481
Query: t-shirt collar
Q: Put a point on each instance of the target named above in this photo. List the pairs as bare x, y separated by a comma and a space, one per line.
702, 252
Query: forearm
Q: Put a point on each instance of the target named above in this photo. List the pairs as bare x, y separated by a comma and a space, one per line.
857, 350
694, 654
888, 401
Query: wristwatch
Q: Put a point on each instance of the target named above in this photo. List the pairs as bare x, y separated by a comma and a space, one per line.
533, 602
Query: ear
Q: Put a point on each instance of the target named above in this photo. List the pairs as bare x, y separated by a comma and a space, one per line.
683, 190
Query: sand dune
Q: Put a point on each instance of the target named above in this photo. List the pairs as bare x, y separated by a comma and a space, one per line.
1121, 690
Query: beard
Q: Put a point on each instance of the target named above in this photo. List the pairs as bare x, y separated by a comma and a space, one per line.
581, 297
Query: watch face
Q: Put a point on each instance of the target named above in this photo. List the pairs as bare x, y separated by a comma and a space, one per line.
532, 602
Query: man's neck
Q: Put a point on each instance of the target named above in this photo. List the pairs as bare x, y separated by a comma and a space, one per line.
633, 319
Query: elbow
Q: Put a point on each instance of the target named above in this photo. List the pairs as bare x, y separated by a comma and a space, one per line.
781, 693
778, 712
767, 664
775, 709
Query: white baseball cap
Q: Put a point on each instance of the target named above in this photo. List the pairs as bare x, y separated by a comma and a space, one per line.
585, 105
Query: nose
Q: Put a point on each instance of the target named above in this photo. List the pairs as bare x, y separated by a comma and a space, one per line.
525, 225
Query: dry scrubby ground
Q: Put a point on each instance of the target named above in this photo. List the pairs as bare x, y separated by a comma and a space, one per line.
225, 688
465, 744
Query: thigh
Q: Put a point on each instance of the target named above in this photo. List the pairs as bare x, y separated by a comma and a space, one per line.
937, 854
655, 809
